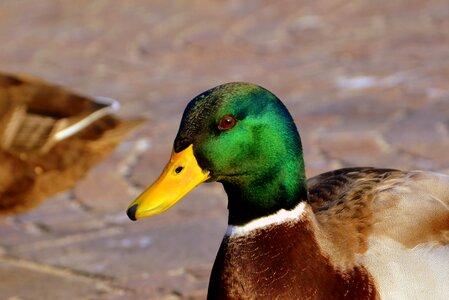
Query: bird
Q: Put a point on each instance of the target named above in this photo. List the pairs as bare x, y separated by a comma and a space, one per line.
50, 137
351, 233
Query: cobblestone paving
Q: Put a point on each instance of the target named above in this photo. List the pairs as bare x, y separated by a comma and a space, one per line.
367, 83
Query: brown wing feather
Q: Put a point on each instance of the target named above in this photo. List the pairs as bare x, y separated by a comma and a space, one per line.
329, 188
353, 204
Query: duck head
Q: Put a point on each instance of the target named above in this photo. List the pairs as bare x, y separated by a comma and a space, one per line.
238, 134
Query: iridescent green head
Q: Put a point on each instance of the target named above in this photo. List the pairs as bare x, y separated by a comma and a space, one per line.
244, 137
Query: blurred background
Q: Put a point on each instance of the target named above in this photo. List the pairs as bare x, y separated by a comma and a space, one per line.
367, 83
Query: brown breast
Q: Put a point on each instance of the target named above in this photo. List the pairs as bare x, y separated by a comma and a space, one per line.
283, 261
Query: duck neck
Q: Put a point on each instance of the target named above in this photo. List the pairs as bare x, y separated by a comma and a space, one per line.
263, 193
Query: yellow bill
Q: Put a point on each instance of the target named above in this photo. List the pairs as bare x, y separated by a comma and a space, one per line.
181, 175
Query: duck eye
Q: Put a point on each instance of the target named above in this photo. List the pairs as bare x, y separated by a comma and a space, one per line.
227, 122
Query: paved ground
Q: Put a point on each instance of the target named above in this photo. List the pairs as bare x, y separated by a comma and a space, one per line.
366, 82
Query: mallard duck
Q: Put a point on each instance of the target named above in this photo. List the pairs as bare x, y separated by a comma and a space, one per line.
49, 138
353, 233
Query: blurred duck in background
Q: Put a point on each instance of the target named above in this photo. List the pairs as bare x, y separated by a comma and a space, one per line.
49, 138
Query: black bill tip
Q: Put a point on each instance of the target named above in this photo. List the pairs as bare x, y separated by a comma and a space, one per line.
131, 212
